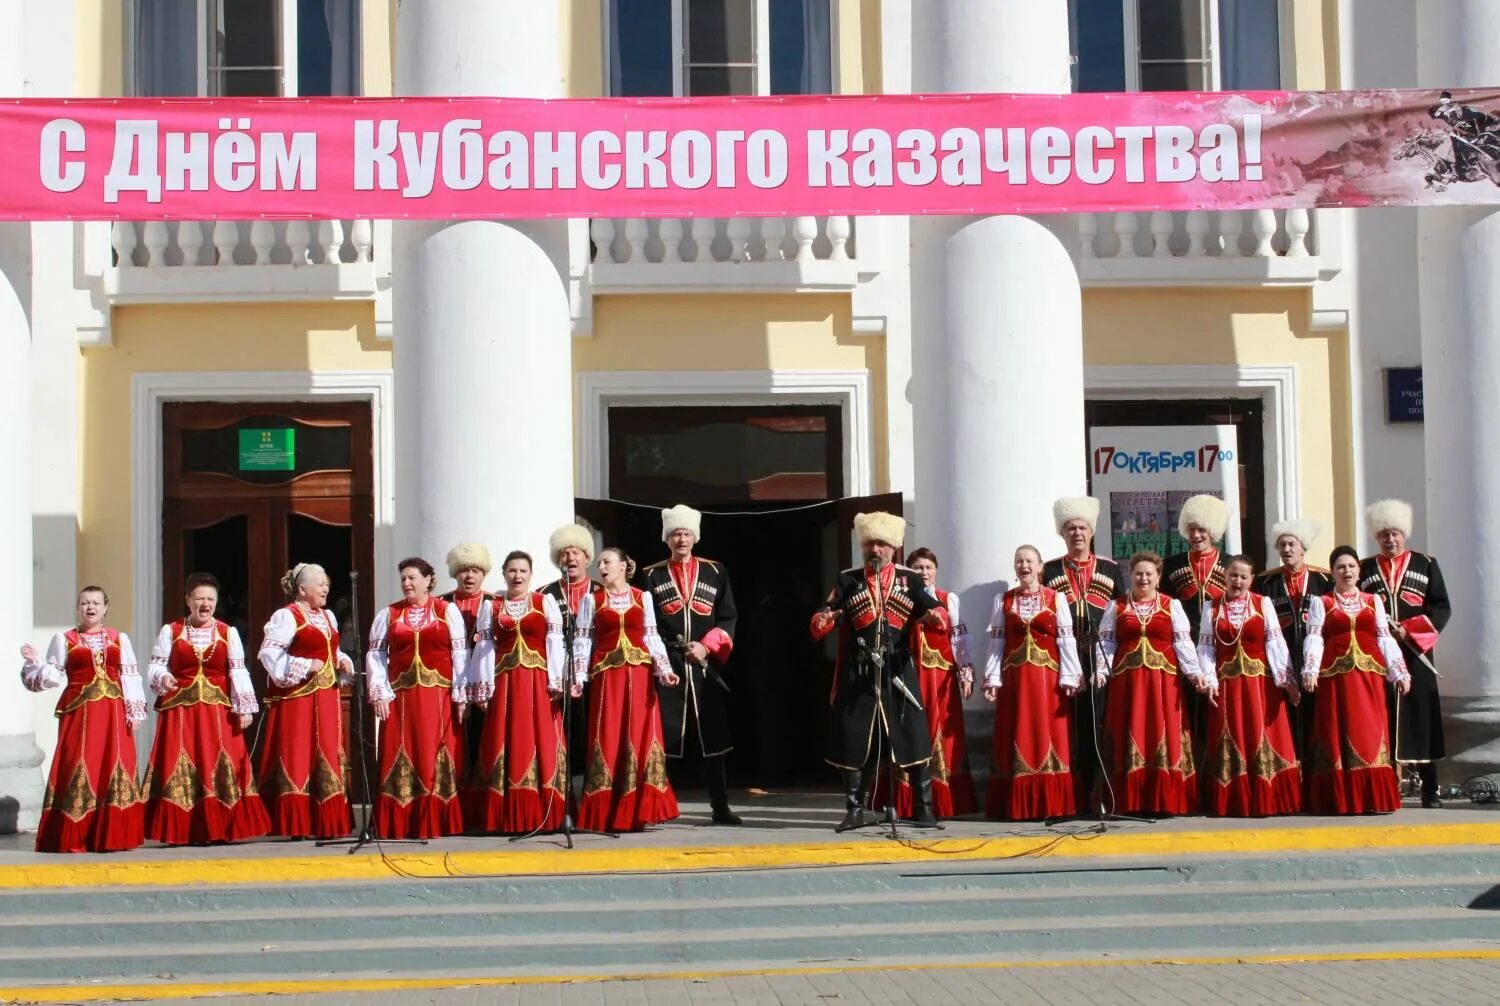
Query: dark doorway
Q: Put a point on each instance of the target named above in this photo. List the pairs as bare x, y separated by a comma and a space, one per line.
769, 480
249, 489
1247, 416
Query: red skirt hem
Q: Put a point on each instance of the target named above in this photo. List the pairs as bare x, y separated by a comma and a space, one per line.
953, 798
1358, 791
111, 829
515, 813
296, 816
604, 811
1253, 796
208, 823
1153, 791
1032, 798
424, 817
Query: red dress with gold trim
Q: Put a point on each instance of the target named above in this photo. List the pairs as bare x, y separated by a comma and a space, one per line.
199, 782
523, 762
625, 787
1250, 762
1032, 656
1148, 754
92, 802
304, 759
1348, 768
421, 741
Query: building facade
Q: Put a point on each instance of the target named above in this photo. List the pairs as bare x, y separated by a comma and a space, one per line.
236, 396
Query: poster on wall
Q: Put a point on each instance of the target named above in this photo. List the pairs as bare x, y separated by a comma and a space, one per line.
1144, 474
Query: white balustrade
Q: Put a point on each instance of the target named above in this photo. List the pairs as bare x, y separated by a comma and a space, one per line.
1198, 234
228, 243
637, 241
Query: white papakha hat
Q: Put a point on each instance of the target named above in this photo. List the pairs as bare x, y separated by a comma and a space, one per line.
680, 518
1384, 514
1304, 531
1084, 508
570, 536
880, 526
466, 554
1205, 511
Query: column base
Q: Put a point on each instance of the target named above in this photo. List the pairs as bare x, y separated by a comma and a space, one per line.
1471, 727
21, 783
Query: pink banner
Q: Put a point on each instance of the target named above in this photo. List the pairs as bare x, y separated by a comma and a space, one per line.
451, 158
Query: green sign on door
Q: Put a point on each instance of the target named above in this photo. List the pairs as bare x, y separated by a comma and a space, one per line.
268, 450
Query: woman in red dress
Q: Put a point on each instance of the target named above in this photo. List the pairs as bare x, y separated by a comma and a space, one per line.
1031, 675
1250, 761
418, 653
1347, 657
303, 760
625, 787
946, 673
92, 803
199, 784
1148, 651
518, 670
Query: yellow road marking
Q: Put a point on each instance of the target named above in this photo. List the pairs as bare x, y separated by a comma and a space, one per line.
96, 993
116, 870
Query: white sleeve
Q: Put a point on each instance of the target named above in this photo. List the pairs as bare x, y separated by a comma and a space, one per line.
994, 660
1107, 642
1071, 670
959, 633
1208, 653
480, 674
159, 676
654, 645
241, 691
283, 670
458, 643
1182, 646
557, 652
1312, 643
1395, 660
378, 660
51, 672
130, 683
1278, 655
583, 638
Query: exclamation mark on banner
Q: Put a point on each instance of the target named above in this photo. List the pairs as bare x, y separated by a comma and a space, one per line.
1252, 148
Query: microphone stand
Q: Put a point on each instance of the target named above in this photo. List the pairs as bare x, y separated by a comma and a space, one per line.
569, 630
1096, 652
367, 832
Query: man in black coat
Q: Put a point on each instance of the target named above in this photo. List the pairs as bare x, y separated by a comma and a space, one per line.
695, 616
1090, 583
877, 714
1294, 588
1416, 601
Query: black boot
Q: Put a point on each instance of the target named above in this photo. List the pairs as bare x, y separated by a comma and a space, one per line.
920, 779
855, 815
1428, 772
718, 791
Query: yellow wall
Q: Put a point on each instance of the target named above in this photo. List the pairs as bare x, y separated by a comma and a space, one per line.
1166, 327
787, 332
297, 337
583, 48
1315, 45
98, 33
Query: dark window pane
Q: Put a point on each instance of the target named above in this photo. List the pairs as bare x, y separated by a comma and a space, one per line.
249, 29
317, 449
720, 80
1171, 29
222, 549
314, 50
720, 31
640, 48
249, 83
332, 544
1249, 45
1174, 77
1098, 45
801, 47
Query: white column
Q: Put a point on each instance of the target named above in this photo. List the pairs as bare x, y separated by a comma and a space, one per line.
482, 354
1458, 45
20, 758
997, 345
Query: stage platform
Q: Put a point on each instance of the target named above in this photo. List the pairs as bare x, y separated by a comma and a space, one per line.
782, 830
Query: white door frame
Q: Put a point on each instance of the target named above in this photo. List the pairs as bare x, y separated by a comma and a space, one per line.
151, 390
1274, 385
599, 390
